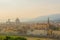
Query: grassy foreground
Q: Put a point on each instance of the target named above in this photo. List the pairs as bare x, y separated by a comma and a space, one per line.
22, 38
12, 38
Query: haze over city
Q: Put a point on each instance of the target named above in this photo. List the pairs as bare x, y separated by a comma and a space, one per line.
29, 19
28, 9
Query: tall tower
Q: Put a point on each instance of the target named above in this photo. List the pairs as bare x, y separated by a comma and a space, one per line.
8, 22
48, 22
49, 28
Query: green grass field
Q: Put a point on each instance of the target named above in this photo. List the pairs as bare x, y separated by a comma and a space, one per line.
12, 38
24, 38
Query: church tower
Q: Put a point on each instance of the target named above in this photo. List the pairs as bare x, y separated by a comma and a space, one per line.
8, 22
48, 23
49, 29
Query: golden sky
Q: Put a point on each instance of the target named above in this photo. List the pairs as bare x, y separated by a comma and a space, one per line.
28, 8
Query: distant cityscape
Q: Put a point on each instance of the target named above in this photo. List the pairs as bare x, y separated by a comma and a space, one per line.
30, 29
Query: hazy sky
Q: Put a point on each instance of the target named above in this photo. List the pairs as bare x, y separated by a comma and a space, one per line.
28, 8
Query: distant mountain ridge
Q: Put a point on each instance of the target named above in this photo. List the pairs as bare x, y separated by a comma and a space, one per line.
54, 17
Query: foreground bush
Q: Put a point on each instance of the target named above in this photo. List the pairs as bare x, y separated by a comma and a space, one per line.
17, 38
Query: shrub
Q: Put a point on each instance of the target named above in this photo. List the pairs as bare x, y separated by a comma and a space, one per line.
17, 38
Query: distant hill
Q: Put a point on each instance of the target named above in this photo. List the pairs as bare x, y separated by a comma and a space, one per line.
54, 17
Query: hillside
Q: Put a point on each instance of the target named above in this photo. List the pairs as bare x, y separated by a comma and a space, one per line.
54, 17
